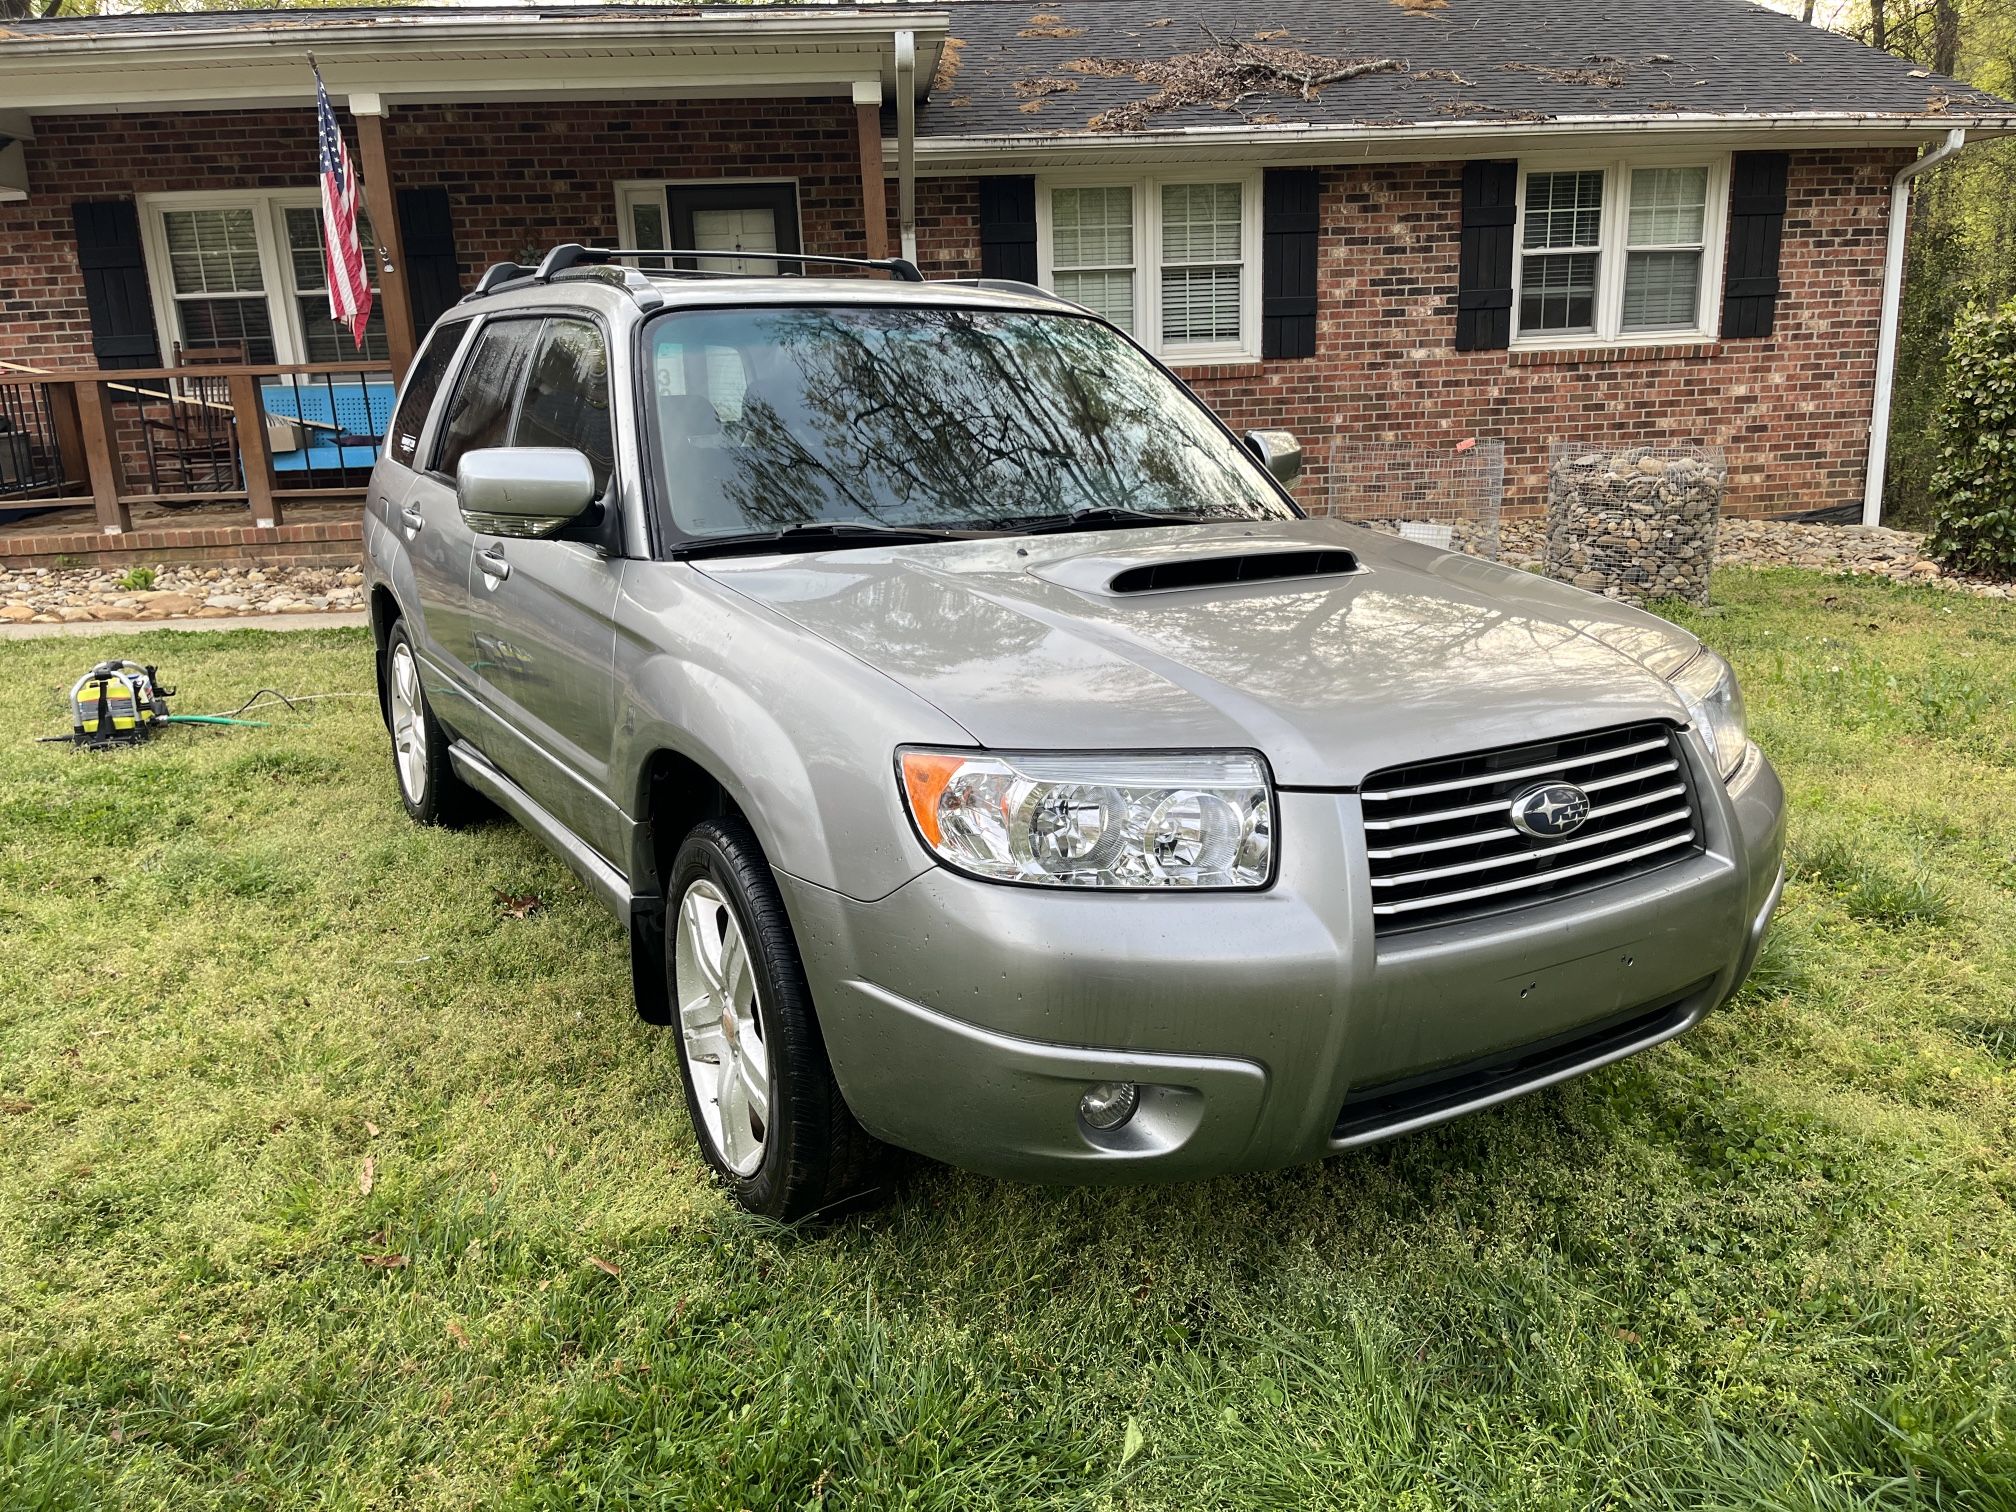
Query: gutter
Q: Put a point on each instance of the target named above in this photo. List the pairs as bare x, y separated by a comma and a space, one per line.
1488, 136
1893, 303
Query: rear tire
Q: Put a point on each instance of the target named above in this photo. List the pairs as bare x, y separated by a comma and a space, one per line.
428, 786
767, 1113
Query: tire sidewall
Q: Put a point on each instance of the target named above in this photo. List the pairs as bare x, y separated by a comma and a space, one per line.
706, 854
426, 809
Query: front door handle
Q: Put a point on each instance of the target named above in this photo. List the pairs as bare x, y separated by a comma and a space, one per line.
412, 519
492, 564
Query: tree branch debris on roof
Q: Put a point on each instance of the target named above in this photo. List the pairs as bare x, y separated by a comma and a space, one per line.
948, 64
1224, 76
1047, 24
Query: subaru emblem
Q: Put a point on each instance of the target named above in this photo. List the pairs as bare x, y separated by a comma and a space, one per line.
1550, 810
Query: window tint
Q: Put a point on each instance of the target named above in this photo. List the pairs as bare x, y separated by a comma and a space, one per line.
480, 413
567, 397
422, 384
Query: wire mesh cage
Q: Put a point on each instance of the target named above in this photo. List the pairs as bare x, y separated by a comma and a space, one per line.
1440, 496
1634, 522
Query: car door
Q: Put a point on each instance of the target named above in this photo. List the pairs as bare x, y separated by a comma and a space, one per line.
478, 413
437, 591
542, 612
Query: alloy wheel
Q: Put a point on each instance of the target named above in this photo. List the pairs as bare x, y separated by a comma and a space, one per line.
409, 729
721, 1027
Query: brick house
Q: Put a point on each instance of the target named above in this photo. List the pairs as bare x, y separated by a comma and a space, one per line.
1364, 220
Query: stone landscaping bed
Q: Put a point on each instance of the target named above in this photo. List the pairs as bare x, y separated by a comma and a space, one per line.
53, 595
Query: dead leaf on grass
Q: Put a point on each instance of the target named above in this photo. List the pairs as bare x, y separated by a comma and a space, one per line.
370, 1128
367, 1176
386, 1262
455, 1332
16, 1106
518, 905
604, 1266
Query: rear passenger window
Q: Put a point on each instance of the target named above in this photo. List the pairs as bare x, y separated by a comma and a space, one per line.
479, 414
422, 384
567, 397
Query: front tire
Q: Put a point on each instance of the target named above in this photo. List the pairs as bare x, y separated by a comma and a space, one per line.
428, 786
766, 1110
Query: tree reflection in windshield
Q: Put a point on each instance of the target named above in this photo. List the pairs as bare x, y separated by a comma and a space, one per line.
911, 416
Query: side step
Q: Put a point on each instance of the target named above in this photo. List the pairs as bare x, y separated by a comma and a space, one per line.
607, 883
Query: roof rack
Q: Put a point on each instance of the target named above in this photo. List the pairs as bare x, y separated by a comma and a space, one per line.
1014, 286
573, 255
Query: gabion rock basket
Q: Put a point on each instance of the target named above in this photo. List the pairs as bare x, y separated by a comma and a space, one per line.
1439, 496
1637, 522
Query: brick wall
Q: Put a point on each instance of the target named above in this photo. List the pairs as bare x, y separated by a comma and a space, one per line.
1792, 410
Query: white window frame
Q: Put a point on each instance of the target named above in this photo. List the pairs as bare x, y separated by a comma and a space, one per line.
1147, 191
1612, 247
270, 207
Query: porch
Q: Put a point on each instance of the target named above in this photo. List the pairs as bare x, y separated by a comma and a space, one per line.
175, 390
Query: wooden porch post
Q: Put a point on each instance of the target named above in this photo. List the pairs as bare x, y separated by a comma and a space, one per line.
101, 457
874, 180
253, 453
368, 111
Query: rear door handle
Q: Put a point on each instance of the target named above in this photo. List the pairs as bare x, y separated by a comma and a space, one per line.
492, 564
413, 520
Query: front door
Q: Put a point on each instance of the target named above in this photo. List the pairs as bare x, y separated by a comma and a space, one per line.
744, 217
542, 612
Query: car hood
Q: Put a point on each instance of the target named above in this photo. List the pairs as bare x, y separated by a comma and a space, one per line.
1417, 652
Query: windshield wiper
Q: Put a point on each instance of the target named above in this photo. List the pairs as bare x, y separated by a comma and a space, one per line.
1092, 519
818, 533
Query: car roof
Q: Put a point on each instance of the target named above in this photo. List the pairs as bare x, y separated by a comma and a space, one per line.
614, 291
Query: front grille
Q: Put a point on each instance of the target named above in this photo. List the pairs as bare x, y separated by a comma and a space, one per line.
1442, 846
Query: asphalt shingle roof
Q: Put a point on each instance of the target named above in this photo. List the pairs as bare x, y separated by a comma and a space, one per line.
1020, 67
1516, 60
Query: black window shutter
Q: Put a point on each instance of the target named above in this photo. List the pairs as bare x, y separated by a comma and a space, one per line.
1008, 228
115, 283
1484, 267
427, 245
1756, 229
1289, 217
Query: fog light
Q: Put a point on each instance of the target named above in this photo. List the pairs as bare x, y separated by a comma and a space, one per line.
1109, 1105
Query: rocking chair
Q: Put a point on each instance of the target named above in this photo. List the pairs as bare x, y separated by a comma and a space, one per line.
193, 448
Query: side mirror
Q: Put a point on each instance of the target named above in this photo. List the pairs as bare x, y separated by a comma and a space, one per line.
523, 491
1279, 452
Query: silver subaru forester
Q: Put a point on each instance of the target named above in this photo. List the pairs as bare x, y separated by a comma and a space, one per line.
986, 757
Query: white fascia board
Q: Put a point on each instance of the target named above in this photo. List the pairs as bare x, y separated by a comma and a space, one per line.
1437, 141
409, 62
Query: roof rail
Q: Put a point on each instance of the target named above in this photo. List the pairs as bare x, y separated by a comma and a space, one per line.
1013, 286
573, 254
647, 295
496, 276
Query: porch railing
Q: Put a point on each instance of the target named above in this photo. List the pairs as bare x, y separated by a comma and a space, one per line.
265, 434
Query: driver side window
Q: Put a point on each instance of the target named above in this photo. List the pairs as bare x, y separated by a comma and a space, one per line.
480, 413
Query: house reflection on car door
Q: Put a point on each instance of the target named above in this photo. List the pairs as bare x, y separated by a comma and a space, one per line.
542, 612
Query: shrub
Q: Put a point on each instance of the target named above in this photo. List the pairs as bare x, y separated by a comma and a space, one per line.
1974, 432
138, 580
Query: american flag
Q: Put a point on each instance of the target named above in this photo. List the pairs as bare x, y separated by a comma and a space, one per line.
342, 257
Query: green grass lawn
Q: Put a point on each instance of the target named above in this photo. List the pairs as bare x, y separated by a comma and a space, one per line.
326, 1180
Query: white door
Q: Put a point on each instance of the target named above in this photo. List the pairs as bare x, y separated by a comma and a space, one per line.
751, 229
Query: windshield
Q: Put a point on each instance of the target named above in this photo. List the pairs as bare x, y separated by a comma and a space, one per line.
763, 419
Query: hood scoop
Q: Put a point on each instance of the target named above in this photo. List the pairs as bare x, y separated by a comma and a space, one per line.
1231, 569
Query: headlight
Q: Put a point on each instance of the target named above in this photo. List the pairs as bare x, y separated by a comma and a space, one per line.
1716, 706
1095, 821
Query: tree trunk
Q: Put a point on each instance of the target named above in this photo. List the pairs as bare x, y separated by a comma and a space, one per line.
1879, 25
1945, 37
1807, 14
